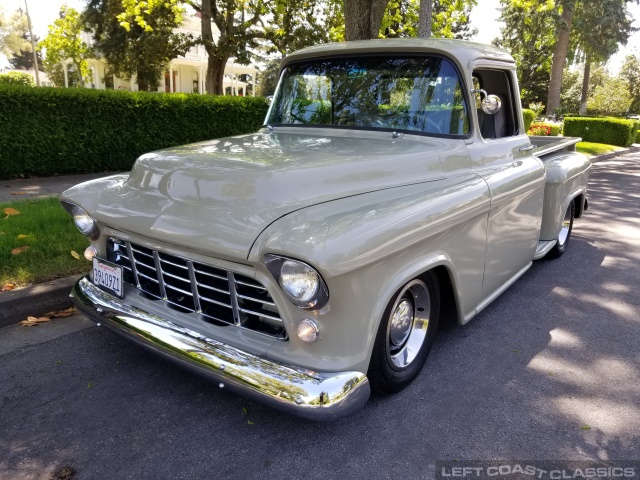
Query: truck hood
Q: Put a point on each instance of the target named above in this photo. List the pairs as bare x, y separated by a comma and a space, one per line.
218, 196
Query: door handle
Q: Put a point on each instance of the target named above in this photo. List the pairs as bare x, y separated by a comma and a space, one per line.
528, 148
517, 164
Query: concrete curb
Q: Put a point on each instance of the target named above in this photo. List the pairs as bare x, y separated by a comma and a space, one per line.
35, 300
45, 297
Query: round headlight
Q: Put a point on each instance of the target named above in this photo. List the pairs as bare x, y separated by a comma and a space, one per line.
299, 281
83, 221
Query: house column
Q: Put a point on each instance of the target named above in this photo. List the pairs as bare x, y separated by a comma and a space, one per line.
253, 83
201, 82
134, 81
170, 78
66, 75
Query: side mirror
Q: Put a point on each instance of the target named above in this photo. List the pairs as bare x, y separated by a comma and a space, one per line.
491, 103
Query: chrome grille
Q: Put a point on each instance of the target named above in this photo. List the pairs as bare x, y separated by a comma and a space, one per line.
217, 295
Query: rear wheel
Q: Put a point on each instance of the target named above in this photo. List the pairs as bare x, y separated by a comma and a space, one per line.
405, 335
565, 231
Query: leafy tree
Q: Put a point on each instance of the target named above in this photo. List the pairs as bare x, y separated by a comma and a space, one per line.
565, 11
570, 92
610, 98
64, 43
630, 71
449, 19
597, 34
296, 24
137, 41
12, 32
268, 78
528, 35
23, 60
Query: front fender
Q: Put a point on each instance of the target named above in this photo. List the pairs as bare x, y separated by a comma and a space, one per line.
367, 246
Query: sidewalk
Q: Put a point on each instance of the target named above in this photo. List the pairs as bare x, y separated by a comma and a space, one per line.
30, 188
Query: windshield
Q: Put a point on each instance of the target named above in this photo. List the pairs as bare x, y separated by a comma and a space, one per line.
416, 94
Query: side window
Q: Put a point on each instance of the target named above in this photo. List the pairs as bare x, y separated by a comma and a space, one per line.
503, 123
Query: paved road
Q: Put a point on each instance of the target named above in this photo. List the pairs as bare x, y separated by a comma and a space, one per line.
30, 188
550, 370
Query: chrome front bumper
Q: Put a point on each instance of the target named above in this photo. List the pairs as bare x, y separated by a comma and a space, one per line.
294, 390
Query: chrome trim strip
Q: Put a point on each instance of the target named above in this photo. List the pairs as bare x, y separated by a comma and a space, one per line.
132, 260
235, 308
219, 277
194, 287
156, 260
256, 300
294, 390
251, 312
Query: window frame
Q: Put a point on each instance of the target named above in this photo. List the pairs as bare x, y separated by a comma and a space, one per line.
461, 79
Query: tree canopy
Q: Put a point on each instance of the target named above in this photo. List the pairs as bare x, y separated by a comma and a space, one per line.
12, 33
63, 44
135, 40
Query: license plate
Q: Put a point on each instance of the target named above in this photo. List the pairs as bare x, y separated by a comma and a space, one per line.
107, 276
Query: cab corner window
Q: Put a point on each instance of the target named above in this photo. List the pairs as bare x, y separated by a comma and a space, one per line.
503, 123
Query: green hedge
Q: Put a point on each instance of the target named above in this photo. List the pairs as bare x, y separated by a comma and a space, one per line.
46, 131
17, 78
529, 116
613, 131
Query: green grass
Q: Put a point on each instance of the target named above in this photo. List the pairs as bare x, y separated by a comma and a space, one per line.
50, 234
593, 149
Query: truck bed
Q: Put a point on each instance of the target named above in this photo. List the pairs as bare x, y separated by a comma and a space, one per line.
547, 145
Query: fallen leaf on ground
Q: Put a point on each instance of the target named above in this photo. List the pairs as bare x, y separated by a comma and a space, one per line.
586, 427
31, 321
8, 286
19, 193
75, 254
62, 313
11, 211
3, 233
22, 236
19, 250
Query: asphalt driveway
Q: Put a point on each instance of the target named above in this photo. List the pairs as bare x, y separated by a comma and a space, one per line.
550, 370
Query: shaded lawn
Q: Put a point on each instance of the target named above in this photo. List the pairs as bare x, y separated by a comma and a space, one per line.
50, 235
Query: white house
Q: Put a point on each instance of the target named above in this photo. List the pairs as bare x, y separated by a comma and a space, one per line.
185, 74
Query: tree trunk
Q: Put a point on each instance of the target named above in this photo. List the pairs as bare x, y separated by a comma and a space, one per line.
362, 18
585, 85
424, 21
559, 57
215, 75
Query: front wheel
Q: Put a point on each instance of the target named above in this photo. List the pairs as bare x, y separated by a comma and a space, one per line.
405, 335
565, 231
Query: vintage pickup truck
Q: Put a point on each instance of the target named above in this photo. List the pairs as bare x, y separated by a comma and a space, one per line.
308, 263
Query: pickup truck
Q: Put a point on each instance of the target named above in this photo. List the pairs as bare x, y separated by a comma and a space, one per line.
392, 186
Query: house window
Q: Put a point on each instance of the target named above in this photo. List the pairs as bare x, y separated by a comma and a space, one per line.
196, 86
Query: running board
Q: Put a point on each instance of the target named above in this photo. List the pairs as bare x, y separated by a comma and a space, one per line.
543, 248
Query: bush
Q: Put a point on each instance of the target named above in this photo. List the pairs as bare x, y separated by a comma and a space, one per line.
539, 129
637, 137
17, 78
529, 116
612, 131
46, 131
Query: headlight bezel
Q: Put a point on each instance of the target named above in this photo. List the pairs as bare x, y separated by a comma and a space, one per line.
91, 230
275, 263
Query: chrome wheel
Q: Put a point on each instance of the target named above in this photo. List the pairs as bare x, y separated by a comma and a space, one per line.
405, 335
408, 324
565, 229
565, 232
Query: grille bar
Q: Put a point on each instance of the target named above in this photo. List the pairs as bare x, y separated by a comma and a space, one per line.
215, 294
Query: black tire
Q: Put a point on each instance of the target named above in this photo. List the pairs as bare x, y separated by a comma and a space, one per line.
565, 232
397, 361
